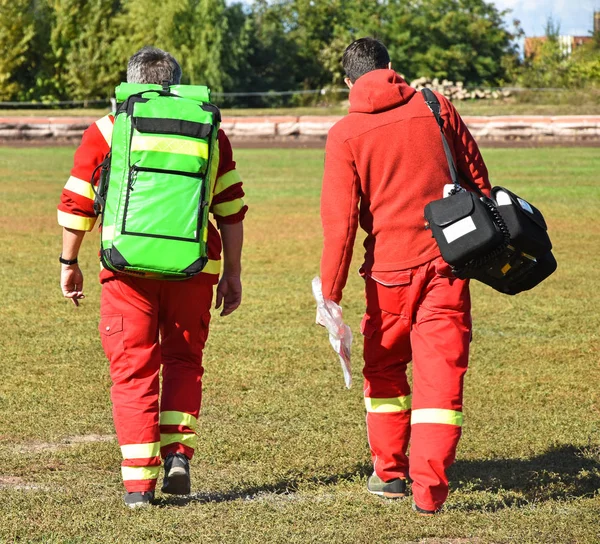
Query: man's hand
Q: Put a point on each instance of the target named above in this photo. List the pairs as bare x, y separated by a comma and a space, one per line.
229, 291
71, 282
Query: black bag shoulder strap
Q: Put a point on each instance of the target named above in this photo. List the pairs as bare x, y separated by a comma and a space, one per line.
434, 105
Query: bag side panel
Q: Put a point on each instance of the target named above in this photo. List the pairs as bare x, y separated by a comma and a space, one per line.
117, 185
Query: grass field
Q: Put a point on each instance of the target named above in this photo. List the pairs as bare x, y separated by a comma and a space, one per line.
282, 453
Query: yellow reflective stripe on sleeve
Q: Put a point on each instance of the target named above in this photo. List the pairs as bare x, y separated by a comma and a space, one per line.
140, 451
214, 169
140, 473
177, 418
394, 404
105, 126
227, 180
81, 187
228, 208
187, 439
170, 145
436, 415
76, 222
212, 267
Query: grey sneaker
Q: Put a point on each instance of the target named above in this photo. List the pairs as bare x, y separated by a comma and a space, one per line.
139, 499
177, 475
394, 489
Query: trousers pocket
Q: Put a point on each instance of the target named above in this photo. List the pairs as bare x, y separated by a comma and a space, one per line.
390, 292
111, 334
367, 327
204, 327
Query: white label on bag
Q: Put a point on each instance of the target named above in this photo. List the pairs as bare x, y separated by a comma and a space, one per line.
503, 199
525, 205
458, 229
449, 187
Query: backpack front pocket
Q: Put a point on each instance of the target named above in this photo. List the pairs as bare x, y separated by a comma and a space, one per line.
162, 204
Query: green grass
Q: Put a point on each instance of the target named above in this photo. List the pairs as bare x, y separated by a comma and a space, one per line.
283, 454
467, 107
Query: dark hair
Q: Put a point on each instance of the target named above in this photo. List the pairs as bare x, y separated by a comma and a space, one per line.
153, 65
363, 56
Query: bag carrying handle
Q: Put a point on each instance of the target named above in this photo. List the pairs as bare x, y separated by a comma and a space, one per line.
434, 105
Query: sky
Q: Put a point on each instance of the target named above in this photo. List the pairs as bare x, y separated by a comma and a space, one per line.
575, 16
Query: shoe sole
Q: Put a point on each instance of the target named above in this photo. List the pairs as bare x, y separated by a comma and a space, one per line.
388, 495
138, 505
178, 482
424, 513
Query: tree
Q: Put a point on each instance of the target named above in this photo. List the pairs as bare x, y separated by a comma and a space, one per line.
202, 48
81, 38
191, 30
455, 39
17, 31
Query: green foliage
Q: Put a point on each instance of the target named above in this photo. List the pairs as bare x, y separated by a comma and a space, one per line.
191, 30
455, 39
17, 32
78, 49
551, 66
85, 65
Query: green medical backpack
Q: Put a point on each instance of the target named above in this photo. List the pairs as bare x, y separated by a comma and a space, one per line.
155, 185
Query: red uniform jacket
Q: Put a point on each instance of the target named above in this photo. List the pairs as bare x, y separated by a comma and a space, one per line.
384, 162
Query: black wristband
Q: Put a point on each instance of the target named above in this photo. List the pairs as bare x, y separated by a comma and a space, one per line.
67, 261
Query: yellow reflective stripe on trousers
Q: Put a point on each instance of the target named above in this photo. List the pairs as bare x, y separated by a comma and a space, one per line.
140, 451
170, 145
436, 415
80, 187
187, 439
76, 222
177, 418
140, 473
393, 404
228, 208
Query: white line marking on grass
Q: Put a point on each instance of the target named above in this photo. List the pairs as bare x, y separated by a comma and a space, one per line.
16, 483
67, 442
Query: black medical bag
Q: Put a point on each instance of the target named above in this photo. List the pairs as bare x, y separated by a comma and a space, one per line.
500, 241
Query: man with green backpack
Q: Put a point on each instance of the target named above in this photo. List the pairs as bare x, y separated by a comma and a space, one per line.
153, 171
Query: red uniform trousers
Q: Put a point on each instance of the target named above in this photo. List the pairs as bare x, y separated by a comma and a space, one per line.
421, 314
145, 324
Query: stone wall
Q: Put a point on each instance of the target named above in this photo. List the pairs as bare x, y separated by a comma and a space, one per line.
577, 127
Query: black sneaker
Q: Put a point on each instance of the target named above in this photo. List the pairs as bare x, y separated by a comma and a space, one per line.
139, 499
423, 512
177, 475
394, 489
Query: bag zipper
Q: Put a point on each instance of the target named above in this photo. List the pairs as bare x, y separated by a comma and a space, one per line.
161, 171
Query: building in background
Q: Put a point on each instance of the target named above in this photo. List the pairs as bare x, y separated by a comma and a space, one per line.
567, 43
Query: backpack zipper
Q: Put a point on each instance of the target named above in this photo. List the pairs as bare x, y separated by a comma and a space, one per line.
161, 171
